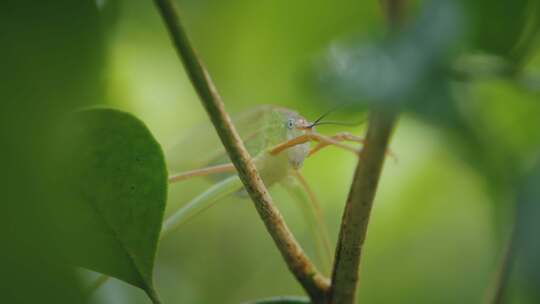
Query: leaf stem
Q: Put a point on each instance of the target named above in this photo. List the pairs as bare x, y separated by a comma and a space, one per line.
95, 285
315, 284
152, 294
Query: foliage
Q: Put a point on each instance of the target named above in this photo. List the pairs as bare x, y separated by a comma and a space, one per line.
115, 178
92, 192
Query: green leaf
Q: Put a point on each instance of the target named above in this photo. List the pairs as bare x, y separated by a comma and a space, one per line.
506, 28
400, 69
41, 54
281, 300
116, 183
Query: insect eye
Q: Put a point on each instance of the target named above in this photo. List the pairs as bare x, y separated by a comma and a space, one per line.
290, 124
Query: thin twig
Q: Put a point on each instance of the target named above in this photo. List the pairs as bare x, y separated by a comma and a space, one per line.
393, 11
496, 292
315, 285
357, 210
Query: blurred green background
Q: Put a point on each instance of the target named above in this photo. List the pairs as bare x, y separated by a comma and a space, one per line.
444, 208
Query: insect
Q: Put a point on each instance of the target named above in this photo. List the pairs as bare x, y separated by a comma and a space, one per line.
279, 147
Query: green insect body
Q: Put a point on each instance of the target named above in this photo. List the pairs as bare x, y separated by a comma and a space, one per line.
278, 141
281, 127
261, 129
278, 125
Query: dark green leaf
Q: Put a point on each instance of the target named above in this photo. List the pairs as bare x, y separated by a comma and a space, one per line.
507, 28
52, 60
400, 68
116, 181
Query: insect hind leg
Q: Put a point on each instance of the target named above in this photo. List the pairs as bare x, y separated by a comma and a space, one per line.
338, 138
201, 172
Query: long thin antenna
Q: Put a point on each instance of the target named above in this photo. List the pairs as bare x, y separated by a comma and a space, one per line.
318, 120
339, 123
325, 114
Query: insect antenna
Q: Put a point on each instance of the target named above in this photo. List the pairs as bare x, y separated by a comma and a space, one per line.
339, 123
319, 121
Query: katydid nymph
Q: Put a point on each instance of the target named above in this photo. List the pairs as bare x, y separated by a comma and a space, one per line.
278, 146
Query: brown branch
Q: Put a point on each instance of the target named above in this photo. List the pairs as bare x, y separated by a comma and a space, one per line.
393, 12
315, 285
357, 210
495, 294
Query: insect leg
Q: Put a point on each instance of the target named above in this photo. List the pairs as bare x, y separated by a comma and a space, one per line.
317, 213
310, 137
290, 143
201, 202
321, 139
202, 172
344, 136
310, 208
